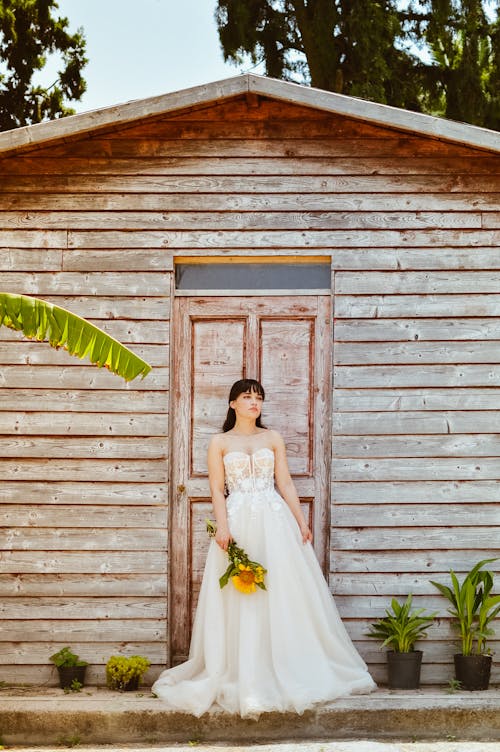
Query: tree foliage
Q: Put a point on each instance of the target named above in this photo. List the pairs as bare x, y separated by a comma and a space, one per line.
30, 31
436, 56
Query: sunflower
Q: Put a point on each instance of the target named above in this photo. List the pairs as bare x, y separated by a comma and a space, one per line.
245, 580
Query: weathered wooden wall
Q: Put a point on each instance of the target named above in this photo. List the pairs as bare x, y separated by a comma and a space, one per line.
412, 224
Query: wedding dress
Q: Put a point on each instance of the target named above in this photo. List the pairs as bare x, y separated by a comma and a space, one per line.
284, 648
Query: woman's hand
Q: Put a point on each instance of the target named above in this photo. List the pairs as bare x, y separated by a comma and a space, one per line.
306, 534
223, 537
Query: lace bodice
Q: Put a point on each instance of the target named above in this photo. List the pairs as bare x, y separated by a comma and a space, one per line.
249, 473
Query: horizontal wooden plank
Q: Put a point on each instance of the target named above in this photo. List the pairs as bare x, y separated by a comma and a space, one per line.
244, 183
93, 283
135, 471
365, 353
28, 675
78, 377
373, 606
414, 515
129, 332
416, 330
37, 353
417, 376
419, 445
396, 259
82, 424
268, 239
33, 238
79, 446
425, 306
111, 307
84, 401
46, 584
227, 220
37, 653
20, 259
93, 563
413, 282
437, 652
82, 539
412, 539
491, 220
97, 630
82, 493
441, 630
429, 562
120, 260
82, 608
394, 585
456, 399
416, 468
88, 516
415, 422
415, 492
206, 141
237, 201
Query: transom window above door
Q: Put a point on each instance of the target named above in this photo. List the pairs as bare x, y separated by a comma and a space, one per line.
253, 276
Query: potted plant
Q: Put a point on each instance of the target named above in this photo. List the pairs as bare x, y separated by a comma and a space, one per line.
69, 667
472, 608
124, 674
399, 629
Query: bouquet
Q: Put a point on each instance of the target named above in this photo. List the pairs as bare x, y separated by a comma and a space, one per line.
245, 575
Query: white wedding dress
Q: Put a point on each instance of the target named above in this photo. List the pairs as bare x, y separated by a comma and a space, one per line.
284, 648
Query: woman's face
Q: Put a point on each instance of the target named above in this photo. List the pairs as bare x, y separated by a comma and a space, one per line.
247, 405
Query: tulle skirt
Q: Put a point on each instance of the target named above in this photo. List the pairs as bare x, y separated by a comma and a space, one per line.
284, 648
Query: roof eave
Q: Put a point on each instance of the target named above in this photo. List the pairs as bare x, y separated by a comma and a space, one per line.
338, 104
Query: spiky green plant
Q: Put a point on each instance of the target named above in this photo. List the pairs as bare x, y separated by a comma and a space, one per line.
40, 320
402, 627
472, 606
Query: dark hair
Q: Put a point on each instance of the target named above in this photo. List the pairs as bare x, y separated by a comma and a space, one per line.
240, 387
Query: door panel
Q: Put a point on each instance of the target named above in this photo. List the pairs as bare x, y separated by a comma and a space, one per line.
283, 342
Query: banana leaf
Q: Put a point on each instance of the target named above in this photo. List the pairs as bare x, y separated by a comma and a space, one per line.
40, 320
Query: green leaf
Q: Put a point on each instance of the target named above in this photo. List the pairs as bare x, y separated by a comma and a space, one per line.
41, 320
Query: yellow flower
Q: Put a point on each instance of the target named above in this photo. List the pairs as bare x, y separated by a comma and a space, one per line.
245, 580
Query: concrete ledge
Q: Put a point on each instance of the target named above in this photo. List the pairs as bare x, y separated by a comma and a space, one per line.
46, 716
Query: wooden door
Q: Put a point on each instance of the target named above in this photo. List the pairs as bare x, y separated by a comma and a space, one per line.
284, 342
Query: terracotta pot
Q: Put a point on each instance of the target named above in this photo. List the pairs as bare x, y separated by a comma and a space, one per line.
404, 669
473, 671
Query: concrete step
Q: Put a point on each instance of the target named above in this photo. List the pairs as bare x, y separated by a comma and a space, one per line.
46, 716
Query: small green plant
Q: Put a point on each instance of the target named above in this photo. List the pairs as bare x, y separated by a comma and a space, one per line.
453, 686
70, 741
64, 658
120, 671
75, 686
472, 606
401, 628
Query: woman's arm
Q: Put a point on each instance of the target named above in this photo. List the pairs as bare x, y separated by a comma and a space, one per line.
216, 480
286, 486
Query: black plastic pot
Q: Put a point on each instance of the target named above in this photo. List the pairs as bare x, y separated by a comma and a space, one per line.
131, 685
68, 673
404, 669
473, 671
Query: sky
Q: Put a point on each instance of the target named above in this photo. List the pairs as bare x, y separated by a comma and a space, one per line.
142, 48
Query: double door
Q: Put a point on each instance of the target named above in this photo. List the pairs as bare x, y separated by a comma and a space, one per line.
282, 341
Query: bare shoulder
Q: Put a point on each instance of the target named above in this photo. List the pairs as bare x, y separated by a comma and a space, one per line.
216, 442
276, 439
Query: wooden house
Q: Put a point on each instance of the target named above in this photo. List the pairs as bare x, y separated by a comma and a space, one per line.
257, 227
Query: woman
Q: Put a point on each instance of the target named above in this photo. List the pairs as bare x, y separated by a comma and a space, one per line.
283, 648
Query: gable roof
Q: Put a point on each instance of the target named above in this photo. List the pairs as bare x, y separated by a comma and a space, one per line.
326, 101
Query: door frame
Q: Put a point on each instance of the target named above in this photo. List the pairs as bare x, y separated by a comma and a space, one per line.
179, 584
